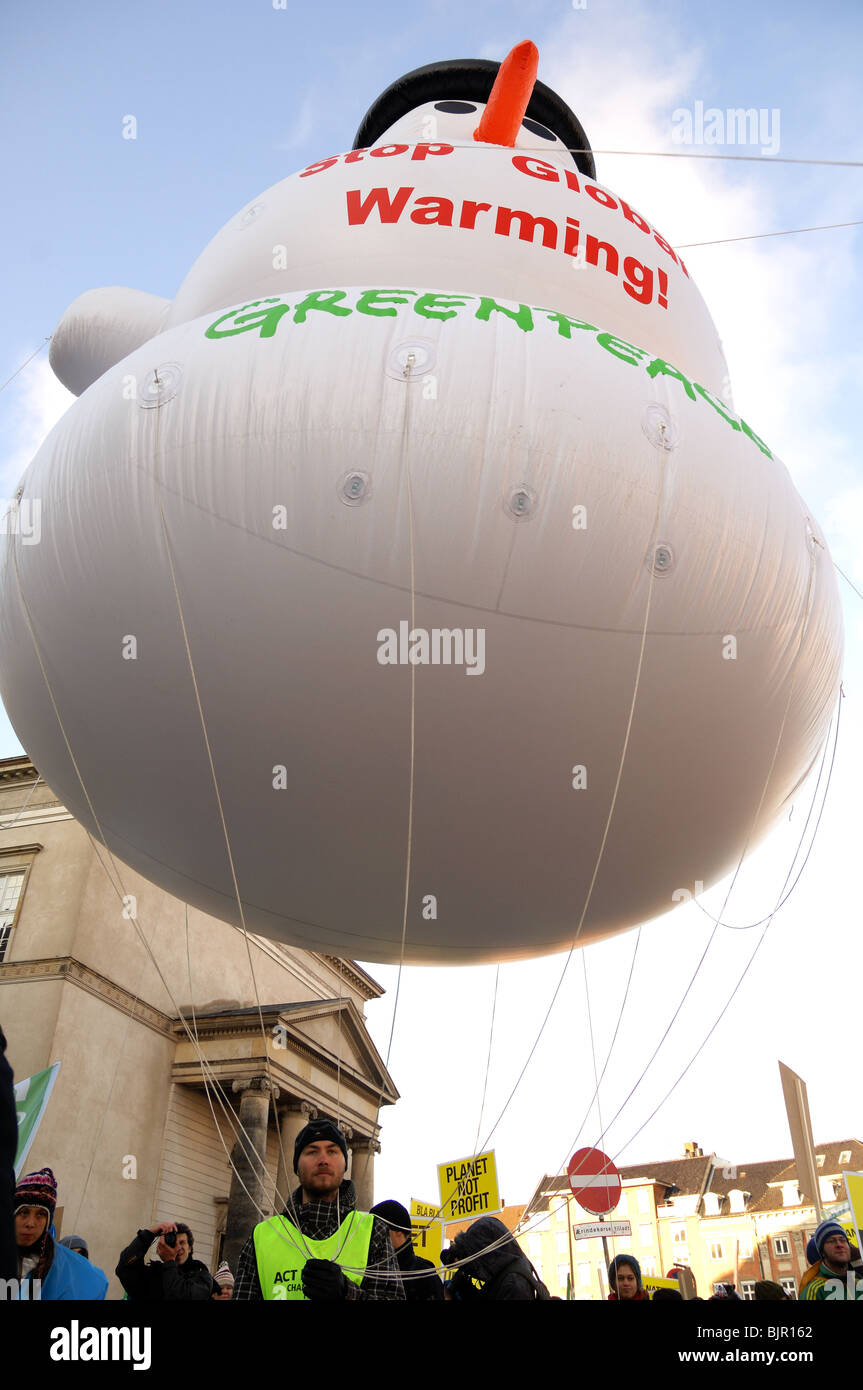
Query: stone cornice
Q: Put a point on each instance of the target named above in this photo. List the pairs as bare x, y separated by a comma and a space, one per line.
19, 769
362, 982
74, 972
292, 956
39, 813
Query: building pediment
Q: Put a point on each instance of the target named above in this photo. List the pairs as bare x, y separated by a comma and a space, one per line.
325, 1034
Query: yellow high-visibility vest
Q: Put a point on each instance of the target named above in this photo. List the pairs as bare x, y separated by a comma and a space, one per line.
281, 1251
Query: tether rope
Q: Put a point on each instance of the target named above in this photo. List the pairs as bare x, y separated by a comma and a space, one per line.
749, 834
784, 899
727, 1003
26, 360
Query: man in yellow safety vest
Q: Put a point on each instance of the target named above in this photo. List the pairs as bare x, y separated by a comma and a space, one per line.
321, 1248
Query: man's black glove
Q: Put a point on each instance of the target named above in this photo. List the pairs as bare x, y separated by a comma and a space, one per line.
323, 1279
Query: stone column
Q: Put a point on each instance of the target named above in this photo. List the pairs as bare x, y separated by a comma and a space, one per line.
248, 1166
292, 1118
348, 1132
363, 1171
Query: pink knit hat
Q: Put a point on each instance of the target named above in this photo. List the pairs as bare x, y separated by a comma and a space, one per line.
37, 1190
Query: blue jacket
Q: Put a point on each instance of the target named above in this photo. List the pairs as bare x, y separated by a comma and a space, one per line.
71, 1277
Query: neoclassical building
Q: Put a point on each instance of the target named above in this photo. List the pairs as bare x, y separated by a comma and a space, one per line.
178, 1055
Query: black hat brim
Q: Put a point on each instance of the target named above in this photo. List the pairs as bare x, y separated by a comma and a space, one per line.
471, 79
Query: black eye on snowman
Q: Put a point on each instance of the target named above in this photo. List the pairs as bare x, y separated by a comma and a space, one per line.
538, 129
455, 108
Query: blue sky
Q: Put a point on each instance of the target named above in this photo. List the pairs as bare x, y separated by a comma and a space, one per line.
231, 97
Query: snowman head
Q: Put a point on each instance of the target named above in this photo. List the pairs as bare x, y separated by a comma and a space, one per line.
469, 101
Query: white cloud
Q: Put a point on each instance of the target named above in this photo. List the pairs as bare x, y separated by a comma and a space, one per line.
36, 401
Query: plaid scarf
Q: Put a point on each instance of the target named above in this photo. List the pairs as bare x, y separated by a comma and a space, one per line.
320, 1220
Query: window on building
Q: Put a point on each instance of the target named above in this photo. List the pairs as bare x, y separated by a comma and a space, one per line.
716, 1252
645, 1233
644, 1200
534, 1248
819, 1159
648, 1267
678, 1234
790, 1287
844, 1157
562, 1239
781, 1245
562, 1276
827, 1187
584, 1276
11, 885
747, 1288
745, 1249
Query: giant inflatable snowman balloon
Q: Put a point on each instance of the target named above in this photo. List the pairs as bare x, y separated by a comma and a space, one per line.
432, 433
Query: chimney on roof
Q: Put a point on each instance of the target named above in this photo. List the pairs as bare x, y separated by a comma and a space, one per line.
692, 1150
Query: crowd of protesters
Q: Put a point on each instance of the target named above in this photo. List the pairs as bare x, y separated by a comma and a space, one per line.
321, 1248
835, 1273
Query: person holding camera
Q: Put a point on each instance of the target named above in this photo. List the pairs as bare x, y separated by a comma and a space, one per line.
176, 1275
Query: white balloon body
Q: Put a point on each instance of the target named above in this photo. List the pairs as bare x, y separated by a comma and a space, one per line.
448, 213
533, 481
476, 218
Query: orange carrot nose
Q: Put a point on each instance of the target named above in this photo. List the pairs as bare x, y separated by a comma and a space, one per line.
501, 120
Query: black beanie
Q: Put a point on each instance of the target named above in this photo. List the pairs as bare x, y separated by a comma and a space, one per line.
322, 1128
394, 1214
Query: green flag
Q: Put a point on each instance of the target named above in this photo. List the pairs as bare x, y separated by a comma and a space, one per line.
31, 1097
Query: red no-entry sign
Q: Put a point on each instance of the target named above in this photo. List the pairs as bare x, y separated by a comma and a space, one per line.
594, 1180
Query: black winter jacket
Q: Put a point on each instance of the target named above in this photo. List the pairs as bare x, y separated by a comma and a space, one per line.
155, 1282
421, 1283
505, 1271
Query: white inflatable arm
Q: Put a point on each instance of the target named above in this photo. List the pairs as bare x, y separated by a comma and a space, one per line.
99, 329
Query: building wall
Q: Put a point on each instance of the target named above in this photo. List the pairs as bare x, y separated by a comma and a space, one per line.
196, 1174
105, 1120
51, 904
